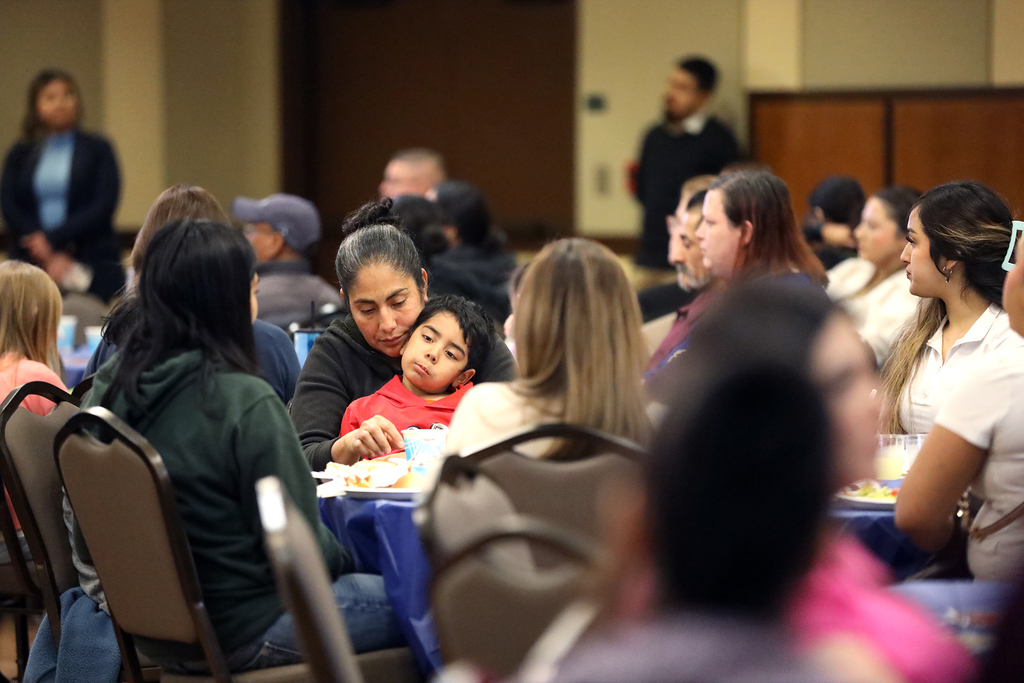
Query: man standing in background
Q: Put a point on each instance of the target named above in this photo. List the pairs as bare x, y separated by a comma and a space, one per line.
687, 143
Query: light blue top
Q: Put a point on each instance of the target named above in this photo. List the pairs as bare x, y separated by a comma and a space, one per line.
52, 178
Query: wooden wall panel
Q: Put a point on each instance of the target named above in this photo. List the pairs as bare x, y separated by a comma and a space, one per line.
488, 83
981, 137
804, 140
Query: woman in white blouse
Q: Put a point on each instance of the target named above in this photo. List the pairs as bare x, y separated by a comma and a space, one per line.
977, 440
873, 287
958, 237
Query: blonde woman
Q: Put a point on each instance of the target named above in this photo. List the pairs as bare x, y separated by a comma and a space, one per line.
29, 320
580, 351
958, 235
873, 288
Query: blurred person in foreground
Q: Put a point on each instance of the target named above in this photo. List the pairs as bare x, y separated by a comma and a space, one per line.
412, 171
688, 142
831, 597
283, 230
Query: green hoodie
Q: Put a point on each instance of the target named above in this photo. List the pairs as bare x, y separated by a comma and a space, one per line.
216, 441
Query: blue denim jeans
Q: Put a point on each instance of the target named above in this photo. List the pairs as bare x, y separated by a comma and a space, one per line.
363, 604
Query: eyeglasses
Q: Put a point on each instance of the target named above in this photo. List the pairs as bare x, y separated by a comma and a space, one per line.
1011, 253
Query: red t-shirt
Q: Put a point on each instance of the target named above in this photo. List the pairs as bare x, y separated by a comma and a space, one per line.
402, 407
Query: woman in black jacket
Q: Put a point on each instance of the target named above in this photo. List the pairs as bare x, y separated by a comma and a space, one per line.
384, 286
59, 190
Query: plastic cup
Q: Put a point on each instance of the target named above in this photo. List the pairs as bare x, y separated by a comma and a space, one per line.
423, 445
891, 456
93, 336
912, 446
66, 334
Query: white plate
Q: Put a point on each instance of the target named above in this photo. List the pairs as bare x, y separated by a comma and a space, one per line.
381, 494
863, 503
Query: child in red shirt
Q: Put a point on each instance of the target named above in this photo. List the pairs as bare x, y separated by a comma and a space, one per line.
449, 340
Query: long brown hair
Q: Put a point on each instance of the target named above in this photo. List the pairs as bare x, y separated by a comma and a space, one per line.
777, 245
179, 202
964, 221
578, 339
30, 308
32, 127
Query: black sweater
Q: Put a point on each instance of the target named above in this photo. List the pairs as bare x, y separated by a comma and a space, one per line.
667, 160
342, 367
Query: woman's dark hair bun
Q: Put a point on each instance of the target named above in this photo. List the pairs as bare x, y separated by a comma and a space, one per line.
371, 213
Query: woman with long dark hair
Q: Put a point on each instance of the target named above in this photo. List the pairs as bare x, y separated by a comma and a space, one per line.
185, 378
958, 235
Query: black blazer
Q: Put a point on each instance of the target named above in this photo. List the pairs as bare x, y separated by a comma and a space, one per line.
93, 191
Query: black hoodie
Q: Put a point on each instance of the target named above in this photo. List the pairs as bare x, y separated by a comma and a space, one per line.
342, 367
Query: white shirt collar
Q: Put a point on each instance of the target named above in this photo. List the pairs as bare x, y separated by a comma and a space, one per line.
692, 124
978, 330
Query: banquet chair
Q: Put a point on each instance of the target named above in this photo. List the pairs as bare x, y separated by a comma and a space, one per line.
305, 588
143, 560
28, 473
491, 613
563, 490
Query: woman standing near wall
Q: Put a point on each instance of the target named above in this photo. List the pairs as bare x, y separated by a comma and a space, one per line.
59, 190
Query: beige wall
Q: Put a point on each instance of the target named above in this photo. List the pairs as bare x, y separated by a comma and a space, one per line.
133, 84
625, 52
222, 113
895, 43
48, 33
1008, 42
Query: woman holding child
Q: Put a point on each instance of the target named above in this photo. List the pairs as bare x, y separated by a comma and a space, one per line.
385, 288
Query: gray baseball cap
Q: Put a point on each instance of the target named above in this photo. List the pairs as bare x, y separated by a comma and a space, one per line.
294, 217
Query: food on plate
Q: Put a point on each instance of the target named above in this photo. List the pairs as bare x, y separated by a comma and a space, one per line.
412, 480
376, 474
872, 490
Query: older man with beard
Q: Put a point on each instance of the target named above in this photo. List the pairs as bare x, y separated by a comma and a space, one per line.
685, 254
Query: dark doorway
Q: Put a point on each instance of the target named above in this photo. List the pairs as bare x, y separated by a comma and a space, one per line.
488, 83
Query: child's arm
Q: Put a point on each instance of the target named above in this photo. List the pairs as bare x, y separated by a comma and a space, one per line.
350, 420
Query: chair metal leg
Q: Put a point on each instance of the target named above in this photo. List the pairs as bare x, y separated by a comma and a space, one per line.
21, 642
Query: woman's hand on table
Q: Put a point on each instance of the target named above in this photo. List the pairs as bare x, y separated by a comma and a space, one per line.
376, 436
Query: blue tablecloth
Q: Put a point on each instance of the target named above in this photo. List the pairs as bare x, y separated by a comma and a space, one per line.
74, 366
971, 608
877, 530
384, 540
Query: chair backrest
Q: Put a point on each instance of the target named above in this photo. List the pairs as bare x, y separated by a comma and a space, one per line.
490, 613
563, 491
463, 503
33, 483
124, 504
305, 587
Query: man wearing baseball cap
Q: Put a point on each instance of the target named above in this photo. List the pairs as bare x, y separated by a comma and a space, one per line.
283, 229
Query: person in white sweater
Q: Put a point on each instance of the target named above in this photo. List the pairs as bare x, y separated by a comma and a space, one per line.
873, 287
580, 351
